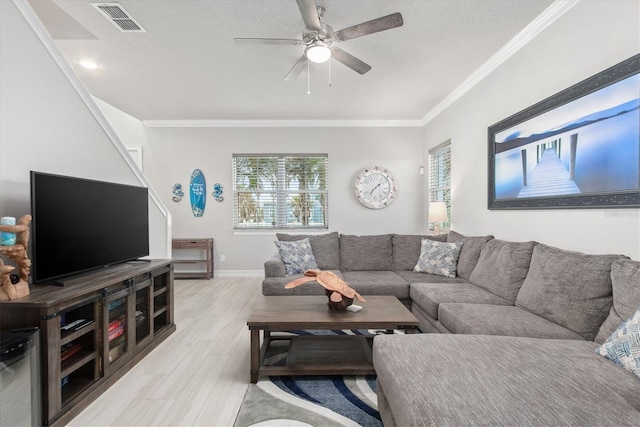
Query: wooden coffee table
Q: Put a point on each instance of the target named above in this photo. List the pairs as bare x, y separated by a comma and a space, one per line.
322, 354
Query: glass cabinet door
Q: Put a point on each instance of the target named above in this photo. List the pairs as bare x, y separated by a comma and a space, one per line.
161, 300
116, 336
142, 312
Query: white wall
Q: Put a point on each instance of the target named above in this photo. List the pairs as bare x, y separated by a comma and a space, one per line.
174, 153
132, 133
47, 126
589, 38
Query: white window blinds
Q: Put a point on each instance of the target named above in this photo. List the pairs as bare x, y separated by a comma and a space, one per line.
440, 177
280, 191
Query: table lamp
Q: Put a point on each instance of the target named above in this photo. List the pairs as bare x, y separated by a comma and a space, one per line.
437, 214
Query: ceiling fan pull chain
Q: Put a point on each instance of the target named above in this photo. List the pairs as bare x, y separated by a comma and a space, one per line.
308, 79
329, 72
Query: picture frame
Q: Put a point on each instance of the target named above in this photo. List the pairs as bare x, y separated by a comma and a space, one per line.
579, 148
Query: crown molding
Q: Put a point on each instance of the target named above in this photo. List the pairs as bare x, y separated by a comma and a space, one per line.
279, 123
535, 27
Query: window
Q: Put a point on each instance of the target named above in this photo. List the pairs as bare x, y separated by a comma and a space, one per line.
275, 191
440, 178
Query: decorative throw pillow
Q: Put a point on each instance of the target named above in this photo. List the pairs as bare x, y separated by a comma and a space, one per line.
296, 256
623, 346
438, 258
325, 248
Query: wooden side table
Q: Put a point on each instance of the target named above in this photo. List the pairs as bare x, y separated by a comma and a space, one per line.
205, 245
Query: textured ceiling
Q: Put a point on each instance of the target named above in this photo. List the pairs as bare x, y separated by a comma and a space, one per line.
186, 65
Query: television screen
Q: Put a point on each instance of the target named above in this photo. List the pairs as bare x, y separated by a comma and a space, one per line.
81, 224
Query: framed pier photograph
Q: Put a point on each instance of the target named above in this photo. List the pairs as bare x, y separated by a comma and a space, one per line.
579, 148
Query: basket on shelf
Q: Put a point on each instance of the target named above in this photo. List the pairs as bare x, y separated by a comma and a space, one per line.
17, 253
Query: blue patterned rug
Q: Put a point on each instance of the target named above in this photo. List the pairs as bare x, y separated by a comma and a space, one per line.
309, 400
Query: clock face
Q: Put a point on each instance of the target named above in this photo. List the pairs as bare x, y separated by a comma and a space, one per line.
375, 187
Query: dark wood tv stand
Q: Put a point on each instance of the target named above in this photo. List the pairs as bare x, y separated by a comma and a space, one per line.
121, 313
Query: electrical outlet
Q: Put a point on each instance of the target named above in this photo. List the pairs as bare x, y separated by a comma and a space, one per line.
223, 258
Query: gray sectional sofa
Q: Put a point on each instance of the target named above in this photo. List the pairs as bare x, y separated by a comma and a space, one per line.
511, 339
372, 265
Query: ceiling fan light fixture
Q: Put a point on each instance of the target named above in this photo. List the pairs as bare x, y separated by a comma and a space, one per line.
318, 53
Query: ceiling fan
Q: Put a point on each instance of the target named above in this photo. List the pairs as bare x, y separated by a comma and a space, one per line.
320, 40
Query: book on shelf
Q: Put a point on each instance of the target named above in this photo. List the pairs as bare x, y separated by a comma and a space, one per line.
70, 350
116, 348
117, 323
116, 333
140, 317
76, 325
115, 304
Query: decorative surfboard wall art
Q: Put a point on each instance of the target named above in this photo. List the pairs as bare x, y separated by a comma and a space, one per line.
217, 192
178, 194
198, 193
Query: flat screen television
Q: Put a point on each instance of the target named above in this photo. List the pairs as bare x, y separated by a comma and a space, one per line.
81, 224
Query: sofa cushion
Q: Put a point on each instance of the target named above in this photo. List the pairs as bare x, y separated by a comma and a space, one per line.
623, 346
427, 323
406, 249
469, 253
569, 288
502, 267
476, 380
325, 247
377, 283
430, 295
413, 277
366, 253
438, 258
506, 320
625, 280
296, 256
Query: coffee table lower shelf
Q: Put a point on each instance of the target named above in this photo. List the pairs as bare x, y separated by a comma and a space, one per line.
321, 355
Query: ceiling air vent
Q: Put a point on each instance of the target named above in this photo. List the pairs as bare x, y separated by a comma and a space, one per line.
119, 17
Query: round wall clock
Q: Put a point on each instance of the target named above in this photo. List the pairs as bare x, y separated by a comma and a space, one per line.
375, 187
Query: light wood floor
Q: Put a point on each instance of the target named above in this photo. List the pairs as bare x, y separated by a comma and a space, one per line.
199, 375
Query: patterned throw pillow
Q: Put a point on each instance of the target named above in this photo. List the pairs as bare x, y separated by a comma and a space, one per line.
438, 258
623, 346
296, 256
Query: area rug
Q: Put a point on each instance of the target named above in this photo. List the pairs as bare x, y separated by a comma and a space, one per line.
309, 400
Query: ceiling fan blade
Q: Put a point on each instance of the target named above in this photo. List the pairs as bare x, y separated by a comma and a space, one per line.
376, 25
295, 71
293, 42
349, 60
309, 13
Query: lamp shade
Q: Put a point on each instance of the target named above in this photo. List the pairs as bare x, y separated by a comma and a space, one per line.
438, 212
318, 53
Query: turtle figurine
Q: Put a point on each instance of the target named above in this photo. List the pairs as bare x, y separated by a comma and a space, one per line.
339, 292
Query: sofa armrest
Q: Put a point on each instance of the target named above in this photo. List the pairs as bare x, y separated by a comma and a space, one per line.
274, 267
